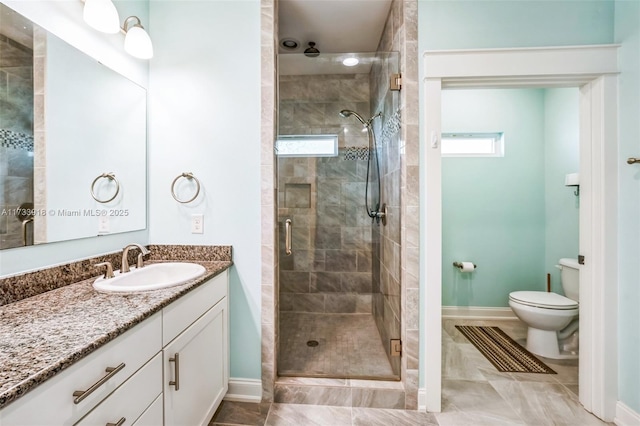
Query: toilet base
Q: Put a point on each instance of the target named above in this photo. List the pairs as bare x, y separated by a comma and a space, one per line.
545, 343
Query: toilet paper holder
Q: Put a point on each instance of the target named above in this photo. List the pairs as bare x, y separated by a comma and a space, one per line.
459, 265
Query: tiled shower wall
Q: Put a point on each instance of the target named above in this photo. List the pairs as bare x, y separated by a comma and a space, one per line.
330, 268
16, 138
401, 184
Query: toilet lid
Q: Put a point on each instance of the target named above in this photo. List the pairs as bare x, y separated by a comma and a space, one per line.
543, 299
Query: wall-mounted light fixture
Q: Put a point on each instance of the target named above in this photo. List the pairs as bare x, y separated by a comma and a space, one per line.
136, 41
101, 15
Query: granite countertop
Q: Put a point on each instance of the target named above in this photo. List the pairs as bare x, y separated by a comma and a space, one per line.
44, 334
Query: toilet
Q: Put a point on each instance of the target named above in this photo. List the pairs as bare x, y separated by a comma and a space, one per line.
552, 319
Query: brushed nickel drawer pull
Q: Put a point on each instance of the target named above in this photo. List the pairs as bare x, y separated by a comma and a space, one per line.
81, 395
120, 422
176, 360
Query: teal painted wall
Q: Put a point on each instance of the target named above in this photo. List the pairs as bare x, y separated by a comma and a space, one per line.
493, 208
512, 216
562, 149
198, 84
459, 24
627, 19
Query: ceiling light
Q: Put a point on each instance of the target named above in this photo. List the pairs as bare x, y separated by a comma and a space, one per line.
136, 41
289, 43
350, 62
102, 15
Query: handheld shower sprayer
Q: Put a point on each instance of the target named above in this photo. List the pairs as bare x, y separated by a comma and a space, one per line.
378, 213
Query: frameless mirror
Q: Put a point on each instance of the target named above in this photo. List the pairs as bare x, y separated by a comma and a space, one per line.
72, 141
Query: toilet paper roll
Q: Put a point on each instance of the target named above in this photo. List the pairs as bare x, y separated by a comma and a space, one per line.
467, 267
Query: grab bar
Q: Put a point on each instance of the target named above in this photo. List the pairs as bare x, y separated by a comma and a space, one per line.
287, 237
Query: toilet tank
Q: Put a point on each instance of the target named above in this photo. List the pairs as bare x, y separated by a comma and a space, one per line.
570, 278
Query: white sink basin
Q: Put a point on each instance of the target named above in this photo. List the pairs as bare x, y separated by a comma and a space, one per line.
151, 277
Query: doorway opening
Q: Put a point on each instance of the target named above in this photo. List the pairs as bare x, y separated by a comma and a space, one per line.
593, 69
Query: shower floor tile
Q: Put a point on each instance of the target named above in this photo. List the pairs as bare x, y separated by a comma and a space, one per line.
349, 346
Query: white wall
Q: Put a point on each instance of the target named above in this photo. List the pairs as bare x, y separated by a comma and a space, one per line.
205, 119
64, 19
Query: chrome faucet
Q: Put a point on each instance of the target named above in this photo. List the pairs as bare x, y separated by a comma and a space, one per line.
125, 252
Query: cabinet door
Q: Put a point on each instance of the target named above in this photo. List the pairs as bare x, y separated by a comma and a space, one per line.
195, 369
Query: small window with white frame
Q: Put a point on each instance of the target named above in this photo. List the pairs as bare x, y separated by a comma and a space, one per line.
307, 146
472, 145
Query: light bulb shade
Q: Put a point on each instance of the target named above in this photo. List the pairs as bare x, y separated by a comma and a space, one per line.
138, 43
102, 15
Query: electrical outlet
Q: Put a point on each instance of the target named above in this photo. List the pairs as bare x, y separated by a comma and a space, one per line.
103, 225
197, 224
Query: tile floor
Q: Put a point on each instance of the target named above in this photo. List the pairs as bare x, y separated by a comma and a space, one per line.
474, 393
348, 346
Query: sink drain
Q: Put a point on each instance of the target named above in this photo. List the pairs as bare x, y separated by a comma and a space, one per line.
312, 343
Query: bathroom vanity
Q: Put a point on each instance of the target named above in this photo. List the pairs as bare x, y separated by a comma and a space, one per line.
77, 356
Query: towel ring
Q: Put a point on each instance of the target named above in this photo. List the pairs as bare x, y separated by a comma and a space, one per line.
187, 175
109, 176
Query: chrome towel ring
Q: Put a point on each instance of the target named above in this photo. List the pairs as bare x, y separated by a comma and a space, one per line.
110, 176
187, 175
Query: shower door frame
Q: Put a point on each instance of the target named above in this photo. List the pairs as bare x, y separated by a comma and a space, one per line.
594, 70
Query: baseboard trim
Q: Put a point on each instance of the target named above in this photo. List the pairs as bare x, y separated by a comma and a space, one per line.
244, 390
477, 312
422, 399
625, 416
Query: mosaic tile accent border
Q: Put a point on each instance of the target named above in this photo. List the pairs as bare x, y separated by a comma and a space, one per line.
391, 127
17, 140
356, 153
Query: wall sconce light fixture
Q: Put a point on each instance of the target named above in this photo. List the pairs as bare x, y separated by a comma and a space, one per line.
136, 41
101, 15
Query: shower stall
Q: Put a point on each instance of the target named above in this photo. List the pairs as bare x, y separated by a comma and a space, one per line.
338, 187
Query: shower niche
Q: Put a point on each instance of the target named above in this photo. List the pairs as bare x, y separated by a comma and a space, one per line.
340, 286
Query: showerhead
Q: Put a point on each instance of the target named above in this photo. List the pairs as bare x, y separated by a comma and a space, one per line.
312, 51
348, 113
366, 123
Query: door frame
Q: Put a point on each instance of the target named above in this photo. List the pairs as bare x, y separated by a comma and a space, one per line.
594, 70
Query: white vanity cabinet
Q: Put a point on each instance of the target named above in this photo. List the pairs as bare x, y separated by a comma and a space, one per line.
196, 358
172, 368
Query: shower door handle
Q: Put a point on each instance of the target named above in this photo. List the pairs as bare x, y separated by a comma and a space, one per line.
287, 237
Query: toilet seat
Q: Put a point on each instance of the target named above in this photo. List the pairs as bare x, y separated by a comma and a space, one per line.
543, 299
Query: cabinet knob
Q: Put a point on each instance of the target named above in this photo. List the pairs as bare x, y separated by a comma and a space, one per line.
120, 422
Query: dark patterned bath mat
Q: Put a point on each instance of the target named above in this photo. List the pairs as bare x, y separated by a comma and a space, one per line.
502, 351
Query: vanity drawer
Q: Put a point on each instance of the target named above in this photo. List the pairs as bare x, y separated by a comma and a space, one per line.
53, 401
131, 399
153, 416
185, 311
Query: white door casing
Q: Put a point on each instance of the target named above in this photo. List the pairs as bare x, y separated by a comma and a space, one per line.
594, 70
